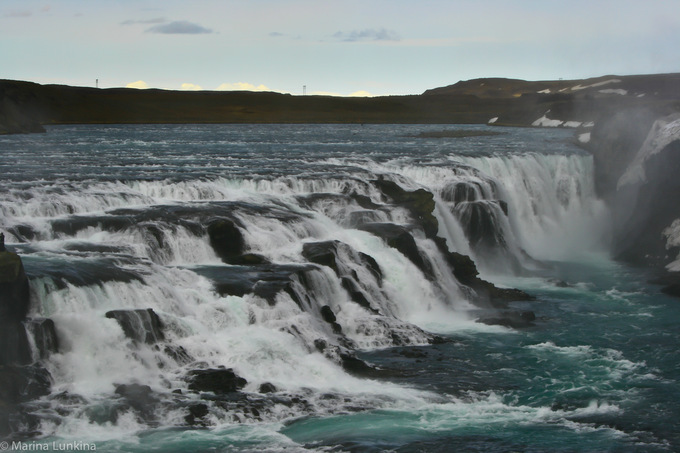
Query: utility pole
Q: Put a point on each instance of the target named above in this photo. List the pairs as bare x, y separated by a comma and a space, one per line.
304, 90
96, 83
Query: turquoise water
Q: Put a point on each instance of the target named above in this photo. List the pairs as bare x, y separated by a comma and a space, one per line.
599, 371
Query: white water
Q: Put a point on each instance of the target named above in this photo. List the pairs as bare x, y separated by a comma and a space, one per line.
552, 210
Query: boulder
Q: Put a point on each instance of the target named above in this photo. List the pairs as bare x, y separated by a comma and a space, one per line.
44, 335
139, 397
226, 239
143, 326
216, 380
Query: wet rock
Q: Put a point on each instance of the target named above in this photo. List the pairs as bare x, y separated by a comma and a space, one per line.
44, 336
327, 314
23, 383
267, 388
420, 204
327, 253
465, 271
197, 413
14, 290
15, 348
263, 280
399, 237
143, 326
139, 397
216, 380
481, 224
514, 319
226, 239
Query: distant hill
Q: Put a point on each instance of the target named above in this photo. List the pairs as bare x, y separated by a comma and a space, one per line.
26, 106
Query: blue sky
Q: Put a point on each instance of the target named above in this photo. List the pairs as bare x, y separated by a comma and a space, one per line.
344, 47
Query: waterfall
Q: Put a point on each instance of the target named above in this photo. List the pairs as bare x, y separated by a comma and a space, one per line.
144, 285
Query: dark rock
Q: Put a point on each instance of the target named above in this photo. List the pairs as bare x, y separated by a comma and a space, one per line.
461, 191
14, 289
177, 353
248, 259
670, 283
510, 318
400, 238
322, 253
196, 414
216, 380
263, 280
465, 271
44, 336
320, 344
15, 348
420, 204
143, 326
23, 383
327, 254
226, 239
356, 294
327, 314
267, 388
358, 367
479, 220
139, 397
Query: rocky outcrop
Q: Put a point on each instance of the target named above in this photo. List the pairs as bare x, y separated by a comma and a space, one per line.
216, 380
637, 162
636, 166
143, 326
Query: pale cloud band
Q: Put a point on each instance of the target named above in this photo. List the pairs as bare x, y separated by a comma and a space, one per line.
179, 27
370, 34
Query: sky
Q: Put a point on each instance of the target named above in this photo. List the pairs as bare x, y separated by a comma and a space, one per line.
336, 47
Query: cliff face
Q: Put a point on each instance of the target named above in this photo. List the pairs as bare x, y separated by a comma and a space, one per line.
637, 162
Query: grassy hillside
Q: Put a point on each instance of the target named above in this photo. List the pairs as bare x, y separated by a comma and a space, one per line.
25, 106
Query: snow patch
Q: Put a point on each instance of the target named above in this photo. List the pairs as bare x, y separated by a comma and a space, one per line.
589, 124
663, 132
614, 91
573, 124
584, 138
493, 120
544, 121
546, 91
598, 84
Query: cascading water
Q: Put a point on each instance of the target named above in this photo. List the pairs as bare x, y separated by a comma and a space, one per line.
274, 254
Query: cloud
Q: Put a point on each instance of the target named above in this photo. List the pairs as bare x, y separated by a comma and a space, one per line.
191, 87
241, 86
276, 34
368, 34
361, 94
18, 13
138, 84
179, 27
157, 20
